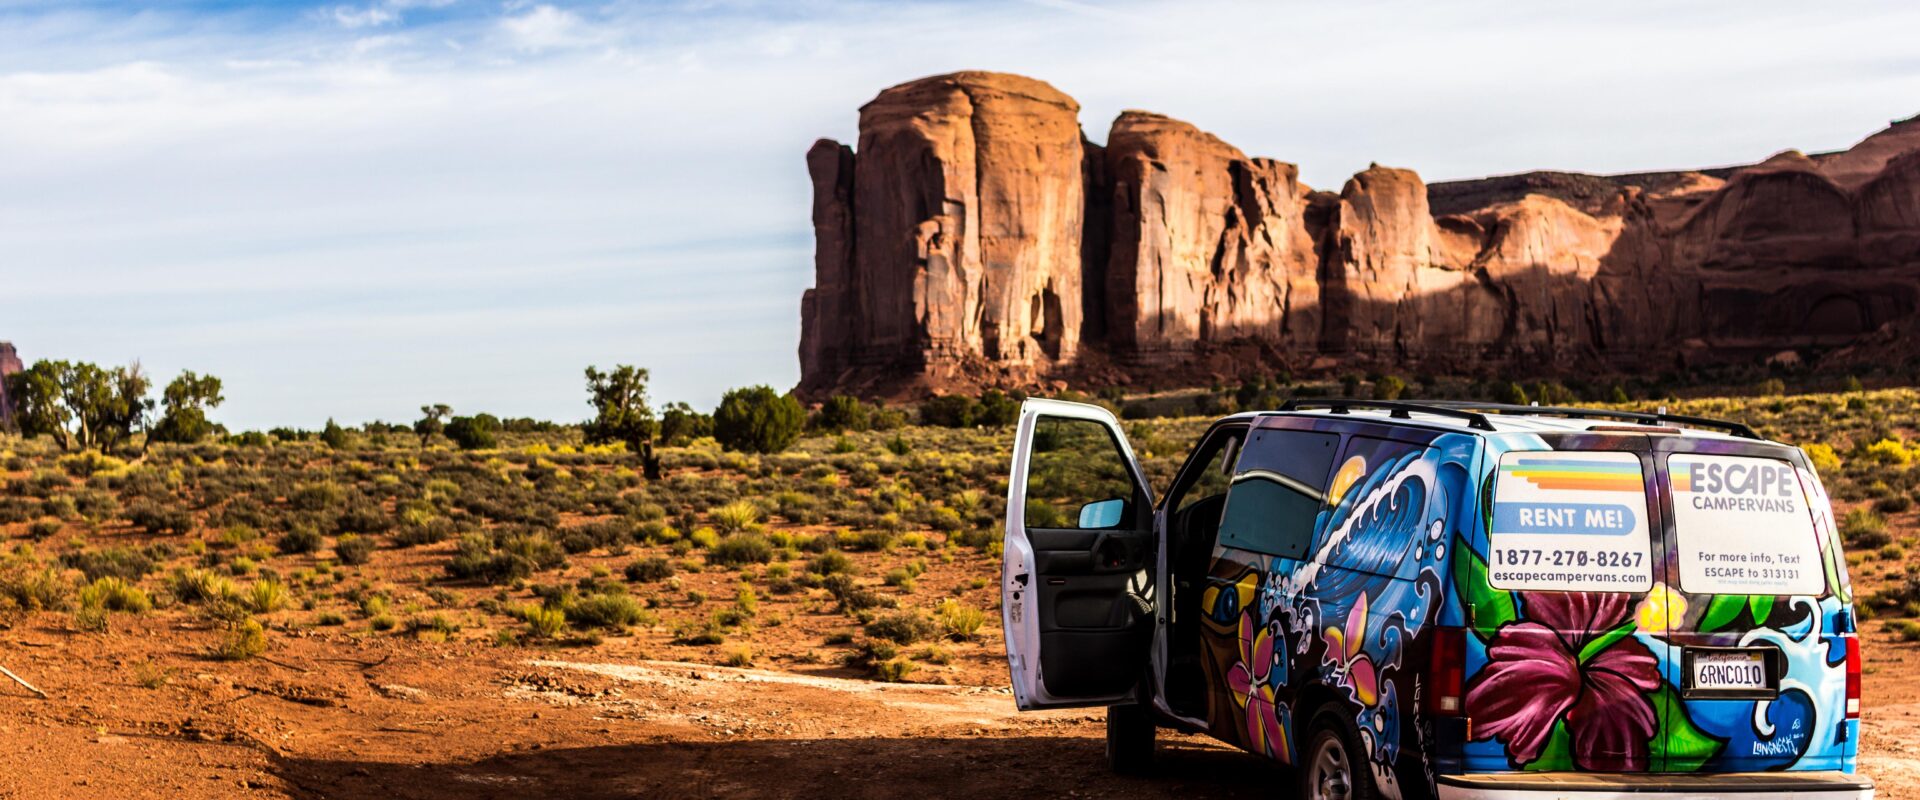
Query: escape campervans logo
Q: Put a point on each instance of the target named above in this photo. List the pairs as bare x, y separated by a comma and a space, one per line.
1742, 526
1766, 487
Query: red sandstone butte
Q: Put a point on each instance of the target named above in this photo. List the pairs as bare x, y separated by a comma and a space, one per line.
976, 238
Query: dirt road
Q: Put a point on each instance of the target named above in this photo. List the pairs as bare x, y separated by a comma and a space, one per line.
342, 717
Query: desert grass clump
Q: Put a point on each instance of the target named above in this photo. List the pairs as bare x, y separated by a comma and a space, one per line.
267, 596
959, 621
736, 517
542, 622
115, 594
746, 601
203, 587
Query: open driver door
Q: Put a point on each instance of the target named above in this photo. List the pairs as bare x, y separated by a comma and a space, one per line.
1076, 589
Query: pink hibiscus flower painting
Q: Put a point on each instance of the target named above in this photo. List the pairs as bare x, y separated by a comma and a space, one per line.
1535, 677
1252, 682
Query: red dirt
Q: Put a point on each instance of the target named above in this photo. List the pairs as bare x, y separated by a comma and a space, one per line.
338, 715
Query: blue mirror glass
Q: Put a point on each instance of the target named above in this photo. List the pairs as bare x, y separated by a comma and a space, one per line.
1103, 514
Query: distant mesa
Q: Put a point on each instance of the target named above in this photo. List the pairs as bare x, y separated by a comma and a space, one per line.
976, 238
9, 364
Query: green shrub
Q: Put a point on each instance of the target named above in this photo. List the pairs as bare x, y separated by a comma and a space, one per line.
36, 589
118, 562
514, 557
896, 670
758, 420
1888, 451
904, 627
1862, 528
703, 537
741, 548
616, 611
473, 433
648, 570
950, 411
245, 640
352, 548
831, 562
160, 519
841, 413
1823, 460
301, 539
544, 623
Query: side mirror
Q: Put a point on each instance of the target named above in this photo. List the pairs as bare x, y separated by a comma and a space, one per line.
1104, 513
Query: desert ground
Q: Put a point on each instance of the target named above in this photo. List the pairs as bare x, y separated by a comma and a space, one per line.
540, 620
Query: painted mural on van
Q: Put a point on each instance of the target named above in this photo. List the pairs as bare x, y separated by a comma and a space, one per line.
1555, 680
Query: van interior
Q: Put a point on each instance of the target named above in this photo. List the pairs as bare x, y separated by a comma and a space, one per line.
1195, 505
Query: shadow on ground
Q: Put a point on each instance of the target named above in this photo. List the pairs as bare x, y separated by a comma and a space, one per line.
835, 768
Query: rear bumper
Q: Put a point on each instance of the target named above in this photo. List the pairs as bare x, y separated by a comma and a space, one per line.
1599, 786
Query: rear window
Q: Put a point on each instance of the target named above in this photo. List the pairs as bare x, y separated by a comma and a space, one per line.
1742, 526
1570, 521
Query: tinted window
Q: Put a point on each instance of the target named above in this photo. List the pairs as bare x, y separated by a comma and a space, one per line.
1277, 491
1075, 465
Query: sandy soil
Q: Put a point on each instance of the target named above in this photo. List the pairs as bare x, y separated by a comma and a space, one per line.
337, 715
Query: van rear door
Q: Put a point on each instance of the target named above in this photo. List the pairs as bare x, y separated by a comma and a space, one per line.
1760, 639
1571, 674
1076, 586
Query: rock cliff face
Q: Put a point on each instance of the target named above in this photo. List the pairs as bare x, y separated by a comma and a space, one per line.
9, 364
976, 238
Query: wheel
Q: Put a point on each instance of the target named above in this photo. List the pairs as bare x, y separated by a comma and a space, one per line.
1129, 739
1335, 768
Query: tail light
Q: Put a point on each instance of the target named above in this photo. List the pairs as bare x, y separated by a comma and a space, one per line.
1853, 677
1448, 671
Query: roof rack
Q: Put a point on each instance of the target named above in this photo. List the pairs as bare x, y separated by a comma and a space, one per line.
1399, 410
1735, 428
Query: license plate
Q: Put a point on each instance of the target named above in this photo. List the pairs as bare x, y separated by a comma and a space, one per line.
1728, 672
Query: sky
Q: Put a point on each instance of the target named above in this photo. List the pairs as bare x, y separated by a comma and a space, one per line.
349, 210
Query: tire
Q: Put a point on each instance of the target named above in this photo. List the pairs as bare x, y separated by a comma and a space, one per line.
1333, 767
1130, 734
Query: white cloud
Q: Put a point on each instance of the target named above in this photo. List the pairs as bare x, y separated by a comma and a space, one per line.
546, 28
353, 18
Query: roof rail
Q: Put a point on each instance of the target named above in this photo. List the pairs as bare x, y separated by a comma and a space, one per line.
1735, 428
1400, 410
